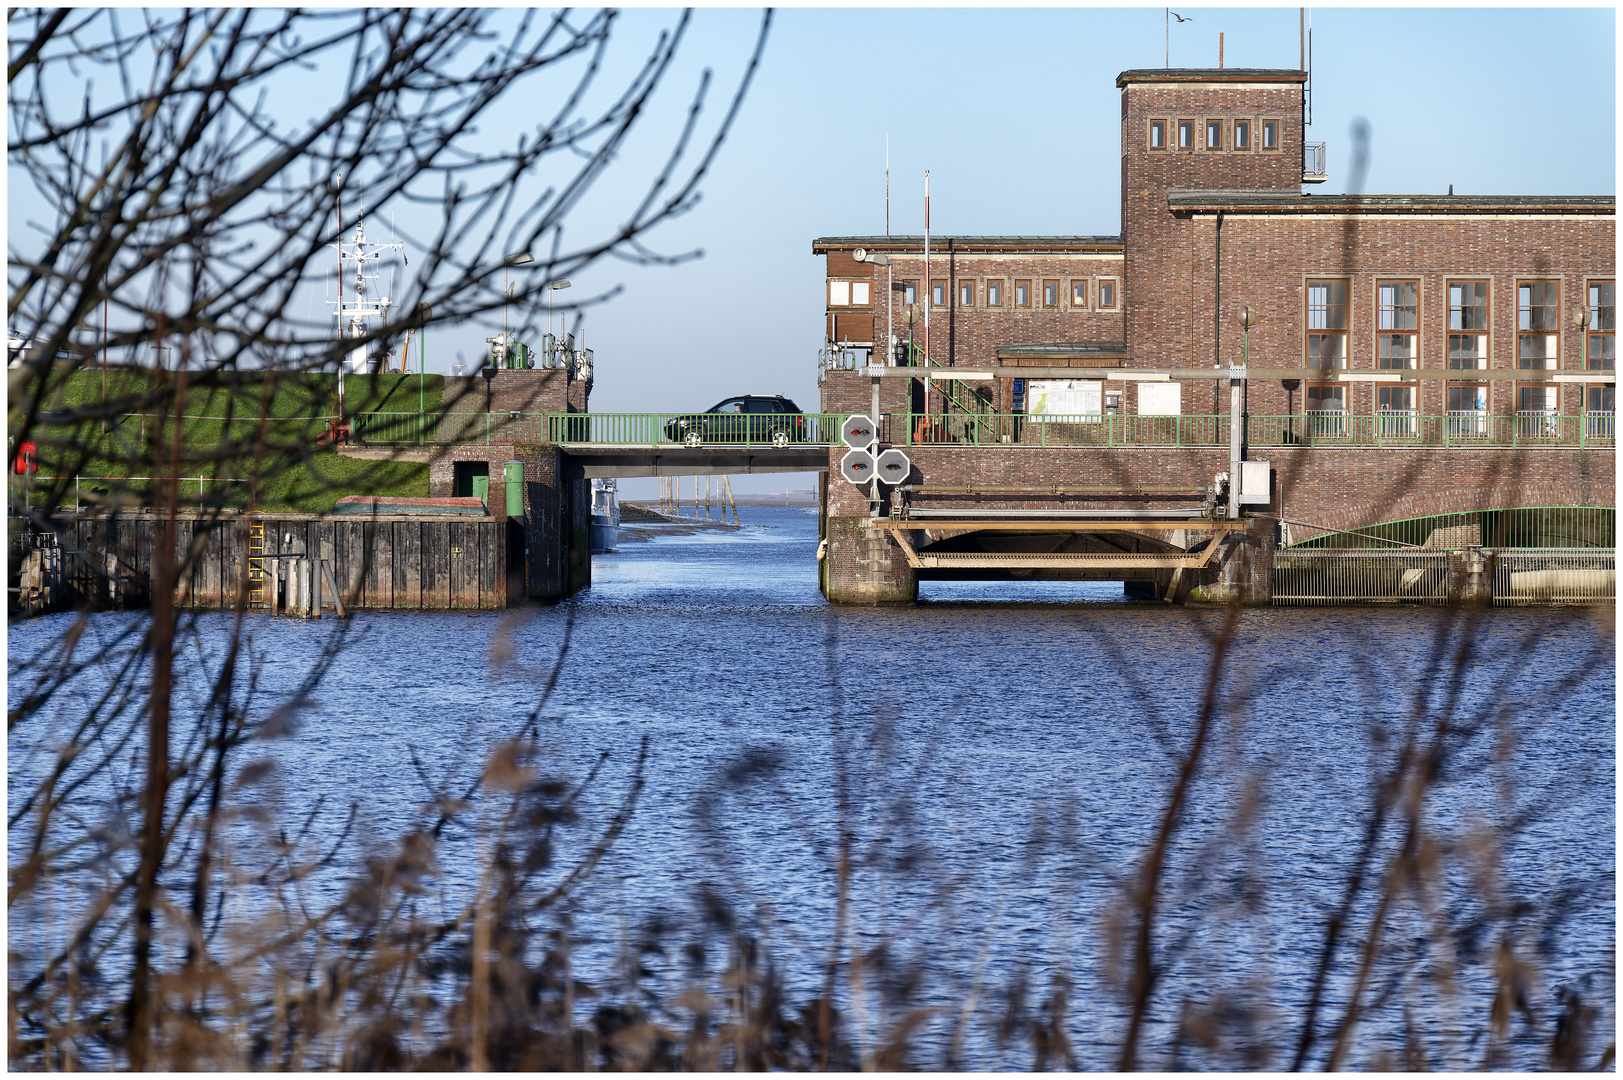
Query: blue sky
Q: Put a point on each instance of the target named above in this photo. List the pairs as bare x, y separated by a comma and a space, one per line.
1016, 115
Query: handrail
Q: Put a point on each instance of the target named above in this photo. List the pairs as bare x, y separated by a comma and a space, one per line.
1392, 429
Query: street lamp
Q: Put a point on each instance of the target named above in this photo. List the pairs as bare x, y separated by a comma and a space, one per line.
882, 260
553, 287
423, 314
1237, 419
518, 258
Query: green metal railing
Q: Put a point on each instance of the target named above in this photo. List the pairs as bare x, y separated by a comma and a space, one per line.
1519, 527
1461, 429
1527, 430
598, 429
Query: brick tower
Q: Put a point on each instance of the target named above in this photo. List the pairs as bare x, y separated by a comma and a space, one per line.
1230, 129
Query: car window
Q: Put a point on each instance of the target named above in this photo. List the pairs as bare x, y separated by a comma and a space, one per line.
732, 405
761, 405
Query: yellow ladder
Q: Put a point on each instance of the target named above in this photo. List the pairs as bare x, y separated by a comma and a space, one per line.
256, 563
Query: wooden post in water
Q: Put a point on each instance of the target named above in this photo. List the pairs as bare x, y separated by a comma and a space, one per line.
337, 600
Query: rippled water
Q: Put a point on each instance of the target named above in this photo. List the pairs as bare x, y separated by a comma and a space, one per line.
1001, 755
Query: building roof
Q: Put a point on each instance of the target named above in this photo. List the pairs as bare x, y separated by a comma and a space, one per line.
1290, 202
1210, 75
907, 245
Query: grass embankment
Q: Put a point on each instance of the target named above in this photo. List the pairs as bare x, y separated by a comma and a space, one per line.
295, 472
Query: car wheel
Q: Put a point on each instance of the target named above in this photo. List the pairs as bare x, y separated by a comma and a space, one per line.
693, 440
780, 439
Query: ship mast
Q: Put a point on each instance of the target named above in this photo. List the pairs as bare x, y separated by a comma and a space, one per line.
355, 317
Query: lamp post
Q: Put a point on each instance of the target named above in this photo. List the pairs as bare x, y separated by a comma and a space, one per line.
1237, 389
912, 313
553, 287
423, 313
883, 260
518, 258
1580, 320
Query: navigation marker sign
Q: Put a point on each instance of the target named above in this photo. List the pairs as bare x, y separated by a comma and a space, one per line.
859, 432
893, 466
857, 466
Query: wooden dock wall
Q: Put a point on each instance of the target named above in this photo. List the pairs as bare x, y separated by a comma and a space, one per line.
383, 563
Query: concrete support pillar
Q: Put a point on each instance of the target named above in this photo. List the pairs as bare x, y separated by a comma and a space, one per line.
865, 566
1244, 569
1468, 576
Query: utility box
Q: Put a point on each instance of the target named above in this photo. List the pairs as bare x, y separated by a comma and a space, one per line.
513, 472
1256, 483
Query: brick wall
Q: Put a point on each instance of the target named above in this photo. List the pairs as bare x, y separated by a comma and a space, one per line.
537, 390
1267, 260
555, 528
1337, 488
1160, 289
969, 336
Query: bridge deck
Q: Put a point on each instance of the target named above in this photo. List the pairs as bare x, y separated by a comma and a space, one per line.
589, 461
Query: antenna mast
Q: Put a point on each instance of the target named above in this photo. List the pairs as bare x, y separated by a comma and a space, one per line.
355, 319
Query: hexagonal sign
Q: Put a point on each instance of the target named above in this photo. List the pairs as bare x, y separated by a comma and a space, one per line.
859, 432
893, 467
857, 466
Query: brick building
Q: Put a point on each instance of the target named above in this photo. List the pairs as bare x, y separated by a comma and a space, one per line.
1214, 220
1406, 356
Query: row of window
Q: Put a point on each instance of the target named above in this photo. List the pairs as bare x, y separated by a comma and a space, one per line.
1397, 341
1397, 324
1463, 399
1239, 136
1081, 294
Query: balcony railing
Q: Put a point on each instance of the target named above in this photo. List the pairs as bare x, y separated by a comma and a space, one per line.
1393, 428
1313, 161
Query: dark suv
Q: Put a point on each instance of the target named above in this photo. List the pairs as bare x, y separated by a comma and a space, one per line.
749, 419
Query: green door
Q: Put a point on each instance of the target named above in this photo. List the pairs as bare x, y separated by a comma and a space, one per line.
469, 478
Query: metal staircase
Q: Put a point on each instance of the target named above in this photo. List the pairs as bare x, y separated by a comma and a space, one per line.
977, 405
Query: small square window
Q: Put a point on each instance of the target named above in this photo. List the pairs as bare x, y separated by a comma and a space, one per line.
1242, 134
994, 294
938, 292
860, 293
1050, 294
1214, 134
1079, 293
1158, 134
1186, 134
839, 293
1107, 293
966, 294
1270, 134
1022, 294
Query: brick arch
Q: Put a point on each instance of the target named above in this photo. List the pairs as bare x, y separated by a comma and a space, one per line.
1358, 489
